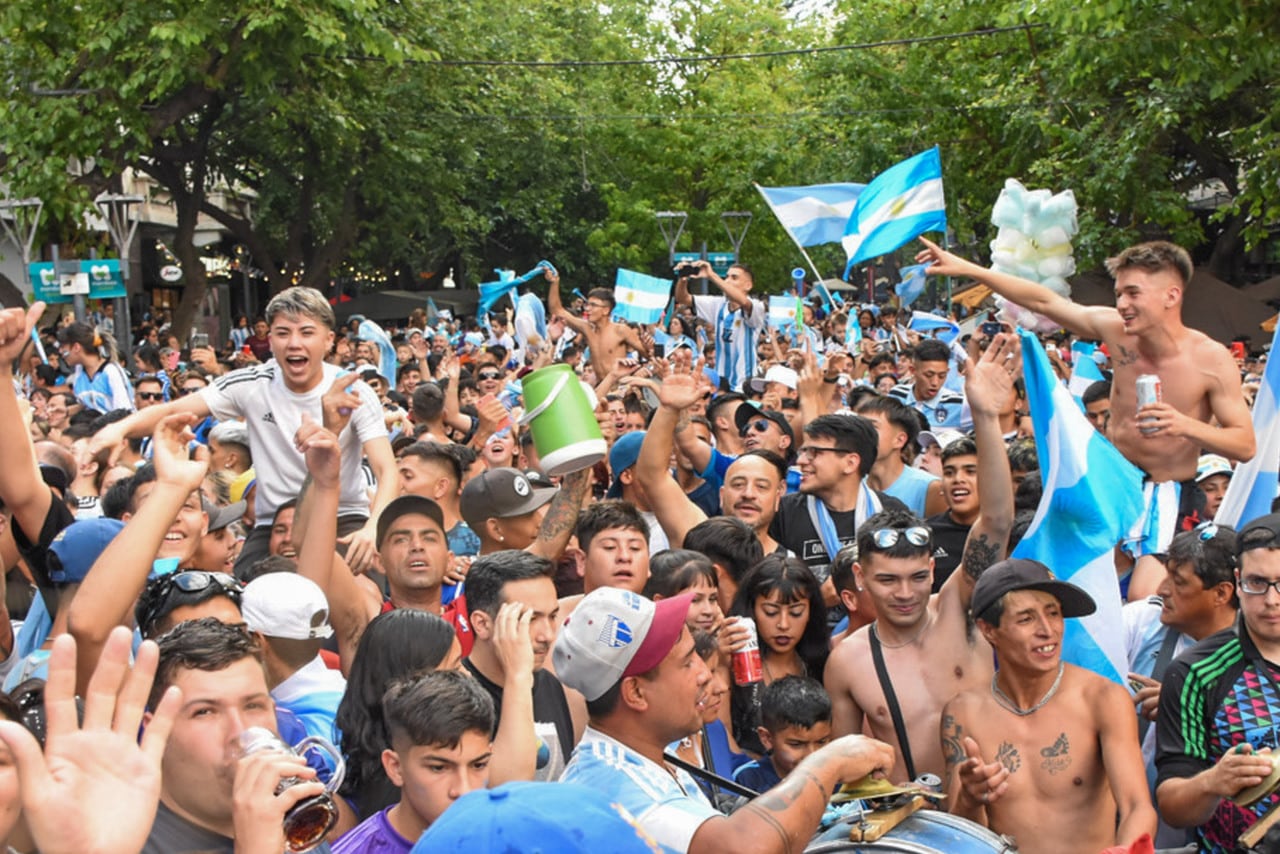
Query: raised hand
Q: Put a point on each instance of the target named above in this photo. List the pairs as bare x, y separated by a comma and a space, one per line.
941, 262
15, 331
679, 391
988, 382
984, 782
339, 402
95, 786
169, 453
322, 452
511, 638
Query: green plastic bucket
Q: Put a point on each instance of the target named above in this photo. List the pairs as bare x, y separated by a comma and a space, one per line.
563, 421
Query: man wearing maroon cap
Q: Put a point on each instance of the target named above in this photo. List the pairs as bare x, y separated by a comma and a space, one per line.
634, 662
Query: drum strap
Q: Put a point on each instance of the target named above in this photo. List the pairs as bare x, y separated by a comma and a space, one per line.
1163, 657
711, 777
891, 699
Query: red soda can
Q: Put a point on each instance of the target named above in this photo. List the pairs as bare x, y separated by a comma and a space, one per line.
748, 667
1148, 388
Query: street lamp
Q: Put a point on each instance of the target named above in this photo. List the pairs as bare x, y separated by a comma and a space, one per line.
122, 228
20, 218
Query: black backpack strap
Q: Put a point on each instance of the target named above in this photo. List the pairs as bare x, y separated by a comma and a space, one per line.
899, 726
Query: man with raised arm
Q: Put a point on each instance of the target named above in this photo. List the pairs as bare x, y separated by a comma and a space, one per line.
610, 342
928, 649
736, 320
1202, 410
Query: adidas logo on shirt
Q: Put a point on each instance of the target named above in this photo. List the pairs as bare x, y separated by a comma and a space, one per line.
269, 418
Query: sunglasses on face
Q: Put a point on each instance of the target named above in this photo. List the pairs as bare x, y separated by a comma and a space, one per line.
760, 425
151, 395
886, 538
489, 375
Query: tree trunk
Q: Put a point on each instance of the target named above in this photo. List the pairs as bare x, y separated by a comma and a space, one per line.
1224, 261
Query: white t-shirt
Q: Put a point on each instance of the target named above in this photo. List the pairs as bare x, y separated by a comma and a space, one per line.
273, 414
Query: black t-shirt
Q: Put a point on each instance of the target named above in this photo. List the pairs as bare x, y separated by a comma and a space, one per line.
948, 546
707, 498
551, 720
36, 554
793, 527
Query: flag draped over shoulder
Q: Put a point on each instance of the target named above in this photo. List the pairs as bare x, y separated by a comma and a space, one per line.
904, 201
1092, 496
912, 284
640, 298
1253, 486
815, 214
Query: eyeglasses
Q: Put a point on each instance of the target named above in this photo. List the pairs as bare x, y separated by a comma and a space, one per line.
190, 581
1255, 586
887, 538
814, 450
151, 395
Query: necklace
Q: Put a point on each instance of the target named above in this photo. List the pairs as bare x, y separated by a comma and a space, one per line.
928, 620
1005, 702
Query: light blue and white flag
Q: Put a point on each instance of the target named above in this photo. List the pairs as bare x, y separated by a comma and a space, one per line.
912, 284
641, 298
786, 313
900, 203
927, 324
815, 214
1084, 370
370, 331
1253, 486
852, 333
491, 292
1092, 497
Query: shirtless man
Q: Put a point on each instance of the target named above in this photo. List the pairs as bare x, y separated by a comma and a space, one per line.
1046, 752
930, 652
1203, 409
609, 342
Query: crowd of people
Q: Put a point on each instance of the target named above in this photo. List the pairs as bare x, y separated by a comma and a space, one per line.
312, 589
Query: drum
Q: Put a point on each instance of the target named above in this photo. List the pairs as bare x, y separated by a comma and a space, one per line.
924, 832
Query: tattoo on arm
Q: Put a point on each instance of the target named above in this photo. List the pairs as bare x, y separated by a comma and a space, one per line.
784, 796
979, 554
1057, 755
562, 515
1007, 755
952, 742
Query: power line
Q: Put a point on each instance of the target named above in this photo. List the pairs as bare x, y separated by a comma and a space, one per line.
716, 57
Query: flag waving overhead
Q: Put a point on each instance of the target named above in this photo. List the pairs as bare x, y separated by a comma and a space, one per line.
1253, 486
786, 312
900, 203
934, 326
815, 214
641, 298
912, 284
1092, 496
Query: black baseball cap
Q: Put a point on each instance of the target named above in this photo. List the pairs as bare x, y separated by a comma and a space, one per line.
746, 414
500, 493
1262, 532
1013, 574
403, 506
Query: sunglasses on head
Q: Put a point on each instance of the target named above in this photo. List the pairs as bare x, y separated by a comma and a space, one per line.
887, 538
190, 581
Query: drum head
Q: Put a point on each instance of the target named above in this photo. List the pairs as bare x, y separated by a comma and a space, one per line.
925, 832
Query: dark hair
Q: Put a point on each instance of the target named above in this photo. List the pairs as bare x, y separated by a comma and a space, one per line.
491, 572
435, 452
1212, 560
145, 474
794, 701
773, 458
406, 368
162, 596
744, 268
900, 519
206, 644
728, 542
604, 295
604, 515
850, 433
115, 501
720, 400
705, 644
436, 709
793, 582
1097, 390
931, 350
894, 411
267, 566
962, 447
842, 567
428, 401
399, 644
883, 359
1022, 455
672, 571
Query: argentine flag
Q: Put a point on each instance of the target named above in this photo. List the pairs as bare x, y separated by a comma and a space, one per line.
1092, 497
1084, 370
900, 203
815, 214
491, 292
370, 331
1253, 486
641, 298
927, 324
786, 313
912, 284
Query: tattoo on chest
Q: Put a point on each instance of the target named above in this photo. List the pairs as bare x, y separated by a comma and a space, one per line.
979, 554
1057, 755
1007, 755
1127, 357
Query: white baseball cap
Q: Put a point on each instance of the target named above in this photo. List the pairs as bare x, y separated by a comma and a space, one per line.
286, 605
